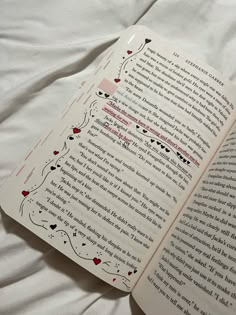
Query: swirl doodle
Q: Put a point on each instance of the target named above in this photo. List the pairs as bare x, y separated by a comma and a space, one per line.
127, 59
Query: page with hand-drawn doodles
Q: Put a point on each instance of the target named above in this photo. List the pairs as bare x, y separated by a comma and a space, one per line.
105, 183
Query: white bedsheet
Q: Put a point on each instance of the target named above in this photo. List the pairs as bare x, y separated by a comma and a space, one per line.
47, 48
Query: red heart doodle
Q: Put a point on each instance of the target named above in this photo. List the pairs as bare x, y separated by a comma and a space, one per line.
25, 193
76, 130
114, 279
117, 80
97, 261
55, 152
129, 52
129, 273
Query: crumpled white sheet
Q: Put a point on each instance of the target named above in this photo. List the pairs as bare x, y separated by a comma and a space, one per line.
47, 48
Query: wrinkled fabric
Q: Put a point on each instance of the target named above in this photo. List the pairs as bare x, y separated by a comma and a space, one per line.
47, 49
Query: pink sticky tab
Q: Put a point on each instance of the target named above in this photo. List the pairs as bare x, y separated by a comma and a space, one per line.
107, 86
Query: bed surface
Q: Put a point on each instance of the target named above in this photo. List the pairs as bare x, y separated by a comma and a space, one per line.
47, 49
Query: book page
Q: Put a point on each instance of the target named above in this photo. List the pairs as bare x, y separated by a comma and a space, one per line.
195, 271
105, 182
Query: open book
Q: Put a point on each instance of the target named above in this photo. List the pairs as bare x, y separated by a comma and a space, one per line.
136, 180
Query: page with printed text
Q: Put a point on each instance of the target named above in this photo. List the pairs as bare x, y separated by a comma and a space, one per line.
194, 271
105, 183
